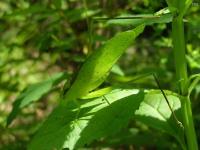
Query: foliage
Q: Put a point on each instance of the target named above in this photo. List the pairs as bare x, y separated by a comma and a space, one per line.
34, 93
78, 74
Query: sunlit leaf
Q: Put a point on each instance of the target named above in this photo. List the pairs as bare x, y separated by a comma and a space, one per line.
155, 113
64, 125
111, 119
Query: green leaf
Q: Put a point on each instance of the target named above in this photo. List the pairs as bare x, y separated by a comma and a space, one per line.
95, 69
193, 80
56, 129
111, 119
155, 113
33, 93
69, 127
78, 131
64, 125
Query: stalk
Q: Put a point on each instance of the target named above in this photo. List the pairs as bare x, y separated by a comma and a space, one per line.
182, 76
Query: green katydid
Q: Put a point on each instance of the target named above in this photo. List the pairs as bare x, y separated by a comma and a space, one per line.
96, 68
94, 71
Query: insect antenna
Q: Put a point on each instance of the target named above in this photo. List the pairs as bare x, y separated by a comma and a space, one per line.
126, 17
163, 93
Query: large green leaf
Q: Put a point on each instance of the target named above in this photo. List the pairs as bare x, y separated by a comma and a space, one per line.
55, 130
69, 127
64, 125
33, 93
95, 69
155, 112
111, 119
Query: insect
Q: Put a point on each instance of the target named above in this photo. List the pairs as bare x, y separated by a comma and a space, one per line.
144, 18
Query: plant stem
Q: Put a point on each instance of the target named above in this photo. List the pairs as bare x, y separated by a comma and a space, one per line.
182, 76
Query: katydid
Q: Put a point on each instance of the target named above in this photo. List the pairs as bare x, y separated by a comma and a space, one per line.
96, 68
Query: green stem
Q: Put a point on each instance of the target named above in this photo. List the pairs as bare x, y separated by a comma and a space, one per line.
89, 26
182, 76
188, 124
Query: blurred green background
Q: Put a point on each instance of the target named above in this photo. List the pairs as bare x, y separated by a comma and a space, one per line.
40, 38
